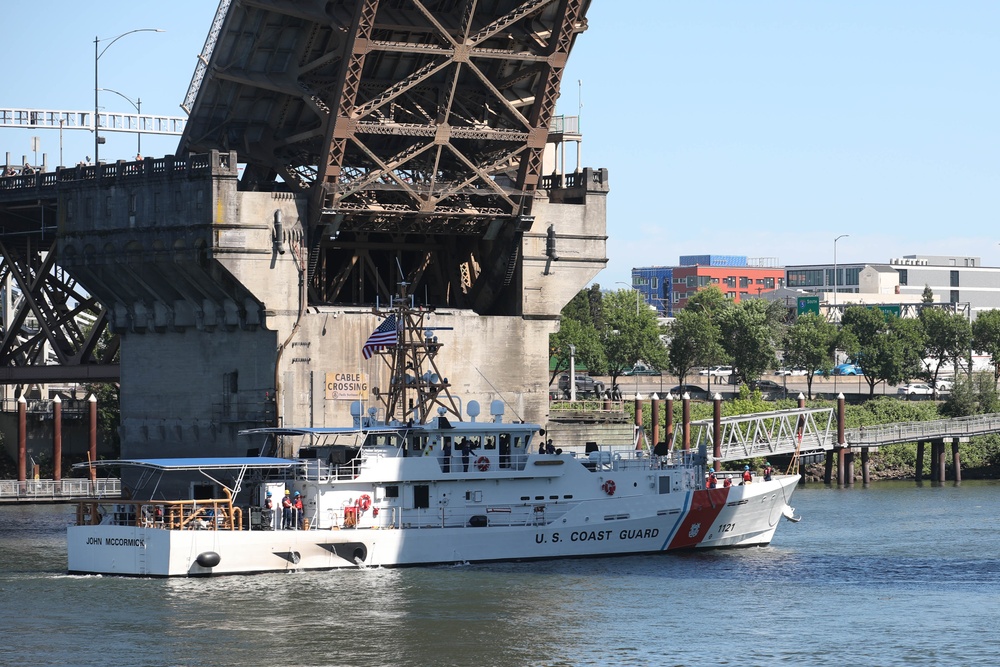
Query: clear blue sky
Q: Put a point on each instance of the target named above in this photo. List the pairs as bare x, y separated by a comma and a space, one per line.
757, 128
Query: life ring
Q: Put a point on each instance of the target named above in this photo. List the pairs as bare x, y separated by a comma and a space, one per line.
364, 502
483, 464
609, 487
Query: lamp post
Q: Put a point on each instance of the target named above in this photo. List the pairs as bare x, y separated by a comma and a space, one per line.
97, 57
137, 104
835, 266
631, 287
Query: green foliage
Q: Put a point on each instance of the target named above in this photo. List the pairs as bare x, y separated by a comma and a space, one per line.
947, 336
694, 341
589, 351
986, 337
888, 349
972, 396
810, 343
927, 296
629, 336
748, 331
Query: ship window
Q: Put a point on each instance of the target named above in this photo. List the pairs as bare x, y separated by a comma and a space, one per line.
421, 496
525, 497
418, 442
568, 497
553, 497
476, 441
665, 484
539, 497
491, 442
392, 491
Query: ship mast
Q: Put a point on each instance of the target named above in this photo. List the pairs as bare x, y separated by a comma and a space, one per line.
416, 387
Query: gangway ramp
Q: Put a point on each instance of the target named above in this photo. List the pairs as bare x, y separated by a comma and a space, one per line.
803, 431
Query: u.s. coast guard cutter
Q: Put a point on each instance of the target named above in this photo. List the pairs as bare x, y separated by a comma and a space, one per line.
411, 482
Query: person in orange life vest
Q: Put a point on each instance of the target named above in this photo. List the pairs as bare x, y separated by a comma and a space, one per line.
728, 482
747, 476
299, 509
286, 510
768, 470
711, 481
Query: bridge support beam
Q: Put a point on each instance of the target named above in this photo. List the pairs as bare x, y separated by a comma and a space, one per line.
920, 461
22, 439
828, 469
56, 439
956, 458
940, 461
865, 467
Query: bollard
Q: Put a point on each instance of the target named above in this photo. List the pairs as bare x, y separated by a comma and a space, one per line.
717, 431
56, 439
638, 420
686, 421
655, 418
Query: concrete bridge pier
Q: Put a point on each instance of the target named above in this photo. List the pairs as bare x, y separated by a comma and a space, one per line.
828, 470
920, 461
865, 467
939, 461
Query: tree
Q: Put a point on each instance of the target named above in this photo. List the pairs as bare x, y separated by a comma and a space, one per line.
889, 350
694, 341
986, 338
928, 295
810, 343
629, 337
586, 307
748, 331
585, 338
975, 394
947, 336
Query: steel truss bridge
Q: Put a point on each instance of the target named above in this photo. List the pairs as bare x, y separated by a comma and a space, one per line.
415, 129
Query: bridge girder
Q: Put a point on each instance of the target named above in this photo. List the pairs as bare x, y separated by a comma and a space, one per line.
414, 117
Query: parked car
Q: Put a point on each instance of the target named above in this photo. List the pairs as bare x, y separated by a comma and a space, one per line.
847, 369
791, 371
915, 389
585, 385
640, 369
692, 390
945, 386
717, 371
769, 389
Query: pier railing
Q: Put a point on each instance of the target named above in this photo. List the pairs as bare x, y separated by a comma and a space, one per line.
64, 489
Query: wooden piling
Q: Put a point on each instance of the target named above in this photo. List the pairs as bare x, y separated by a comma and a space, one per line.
841, 444
670, 418
941, 458
865, 467
638, 420
956, 459
686, 421
92, 452
22, 439
56, 439
655, 418
920, 461
717, 431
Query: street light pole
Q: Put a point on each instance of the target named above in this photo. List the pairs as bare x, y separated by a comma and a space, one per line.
137, 105
835, 281
97, 58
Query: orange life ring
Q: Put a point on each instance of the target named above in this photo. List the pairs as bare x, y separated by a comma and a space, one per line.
609, 487
483, 464
364, 502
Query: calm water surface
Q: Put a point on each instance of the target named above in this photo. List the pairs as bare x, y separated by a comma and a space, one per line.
891, 575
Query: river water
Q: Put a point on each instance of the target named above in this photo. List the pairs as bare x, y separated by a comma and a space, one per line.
896, 574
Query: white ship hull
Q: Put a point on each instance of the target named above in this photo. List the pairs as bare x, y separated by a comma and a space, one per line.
733, 517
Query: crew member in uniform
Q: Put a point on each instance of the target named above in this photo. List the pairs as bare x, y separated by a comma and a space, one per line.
286, 510
300, 513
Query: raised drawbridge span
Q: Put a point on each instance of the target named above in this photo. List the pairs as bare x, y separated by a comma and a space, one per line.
410, 135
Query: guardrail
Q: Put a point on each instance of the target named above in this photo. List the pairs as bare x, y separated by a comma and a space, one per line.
64, 489
959, 427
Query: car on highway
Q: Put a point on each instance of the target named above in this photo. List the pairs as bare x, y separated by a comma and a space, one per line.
641, 369
847, 369
717, 371
791, 371
769, 389
692, 390
916, 389
585, 385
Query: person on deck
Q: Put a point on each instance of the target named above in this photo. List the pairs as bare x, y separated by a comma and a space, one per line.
747, 476
728, 482
286, 510
768, 471
711, 481
446, 453
466, 451
300, 513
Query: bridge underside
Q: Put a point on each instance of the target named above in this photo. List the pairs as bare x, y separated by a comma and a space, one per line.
417, 129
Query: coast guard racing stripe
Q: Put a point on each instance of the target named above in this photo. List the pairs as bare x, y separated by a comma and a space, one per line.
706, 506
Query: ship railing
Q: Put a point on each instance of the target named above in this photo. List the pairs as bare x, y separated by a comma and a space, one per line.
207, 514
49, 489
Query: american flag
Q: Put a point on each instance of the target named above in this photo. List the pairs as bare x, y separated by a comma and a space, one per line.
382, 337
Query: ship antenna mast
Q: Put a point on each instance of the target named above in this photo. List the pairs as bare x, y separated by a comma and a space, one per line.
416, 387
